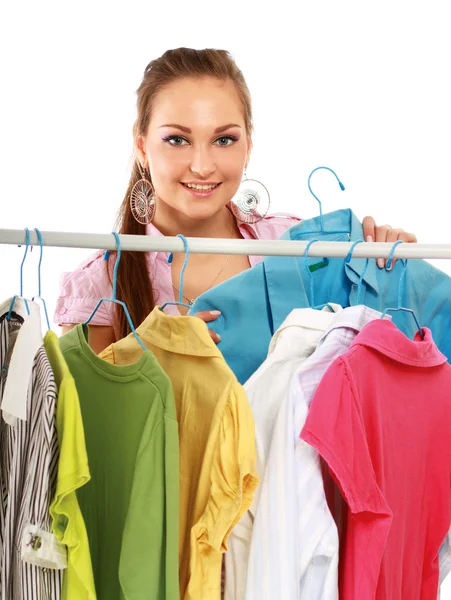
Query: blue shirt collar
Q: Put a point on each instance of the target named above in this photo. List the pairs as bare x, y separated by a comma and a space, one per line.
335, 223
340, 225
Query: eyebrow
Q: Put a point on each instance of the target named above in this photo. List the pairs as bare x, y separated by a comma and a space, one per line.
188, 130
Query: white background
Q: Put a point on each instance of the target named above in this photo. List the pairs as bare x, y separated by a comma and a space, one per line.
361, 87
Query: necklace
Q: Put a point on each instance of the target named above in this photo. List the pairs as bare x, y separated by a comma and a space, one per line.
191, 301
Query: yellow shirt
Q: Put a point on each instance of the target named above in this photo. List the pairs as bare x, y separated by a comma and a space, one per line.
73, 472
216, 440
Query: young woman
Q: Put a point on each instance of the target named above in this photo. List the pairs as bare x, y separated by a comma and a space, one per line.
192, 140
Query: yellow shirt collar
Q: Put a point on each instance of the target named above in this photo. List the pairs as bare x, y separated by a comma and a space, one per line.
178, 334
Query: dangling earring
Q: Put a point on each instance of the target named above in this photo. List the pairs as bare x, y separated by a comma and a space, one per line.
142, 199
251, 202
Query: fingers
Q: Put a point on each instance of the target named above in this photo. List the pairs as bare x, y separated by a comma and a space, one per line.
385, 233
208, 315
381, 236
214, 336
408, 238
399, 234
369, 229
393, 235
381, 233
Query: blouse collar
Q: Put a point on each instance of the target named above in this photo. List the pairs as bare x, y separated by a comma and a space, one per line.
249, 231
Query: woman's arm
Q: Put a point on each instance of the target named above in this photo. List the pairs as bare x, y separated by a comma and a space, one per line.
99, 337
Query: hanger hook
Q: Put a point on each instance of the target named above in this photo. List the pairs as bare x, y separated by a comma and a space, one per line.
401, 288
348, 260
27, 242
116, 264
403, 272
401, 280
182, 272
342, 187
390, 256
38, 233
312, 291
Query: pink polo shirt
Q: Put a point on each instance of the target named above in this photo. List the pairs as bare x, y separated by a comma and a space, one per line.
82, 288
381, 419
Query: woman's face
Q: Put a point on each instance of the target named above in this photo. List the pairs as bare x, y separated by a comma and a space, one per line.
196, 146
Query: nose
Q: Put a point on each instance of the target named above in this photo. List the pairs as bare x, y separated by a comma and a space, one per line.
202, 163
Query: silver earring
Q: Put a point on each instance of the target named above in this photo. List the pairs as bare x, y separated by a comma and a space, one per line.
142, 199
251, 202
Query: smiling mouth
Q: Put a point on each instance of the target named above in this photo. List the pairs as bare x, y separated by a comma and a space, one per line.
200, 188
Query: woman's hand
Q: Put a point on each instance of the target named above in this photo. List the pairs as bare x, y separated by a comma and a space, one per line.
207, 316
384, 233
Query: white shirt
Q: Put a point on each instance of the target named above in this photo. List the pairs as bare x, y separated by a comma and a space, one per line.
286, 546
267, 566
316, 528
29, 340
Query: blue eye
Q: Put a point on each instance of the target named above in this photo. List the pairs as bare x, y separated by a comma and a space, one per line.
175, 140
178, 140
227, 138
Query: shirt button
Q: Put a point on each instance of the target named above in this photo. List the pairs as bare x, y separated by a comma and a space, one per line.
62, 311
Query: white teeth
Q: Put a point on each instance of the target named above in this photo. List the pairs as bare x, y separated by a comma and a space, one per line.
201, 188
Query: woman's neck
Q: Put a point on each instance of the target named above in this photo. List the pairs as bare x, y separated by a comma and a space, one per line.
221, 225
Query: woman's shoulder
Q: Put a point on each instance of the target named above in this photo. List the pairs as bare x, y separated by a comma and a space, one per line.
81, 289
92, 269
273, 226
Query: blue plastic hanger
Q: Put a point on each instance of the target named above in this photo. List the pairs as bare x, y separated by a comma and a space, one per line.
348, 260
182, 274
39, 297
27, 242
321, 218
312, 291
114, 299
400, 289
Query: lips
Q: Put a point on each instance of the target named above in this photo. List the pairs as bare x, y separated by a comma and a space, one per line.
201, 188
201, 193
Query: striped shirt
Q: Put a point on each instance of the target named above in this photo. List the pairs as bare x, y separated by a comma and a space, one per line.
28, 467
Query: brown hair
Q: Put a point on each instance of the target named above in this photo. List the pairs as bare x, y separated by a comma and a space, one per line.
133, 282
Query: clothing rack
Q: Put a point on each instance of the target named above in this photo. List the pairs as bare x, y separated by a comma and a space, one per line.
141, 243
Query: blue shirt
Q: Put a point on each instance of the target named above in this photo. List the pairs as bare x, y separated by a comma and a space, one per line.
256, 302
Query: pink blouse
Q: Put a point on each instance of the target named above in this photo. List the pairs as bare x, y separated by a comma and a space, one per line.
82, 288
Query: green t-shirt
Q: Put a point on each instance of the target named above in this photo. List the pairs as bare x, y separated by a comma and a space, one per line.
131, 504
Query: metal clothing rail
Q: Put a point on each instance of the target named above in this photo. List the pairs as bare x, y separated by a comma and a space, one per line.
141, 243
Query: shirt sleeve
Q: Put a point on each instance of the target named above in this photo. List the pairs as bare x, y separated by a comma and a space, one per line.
33, 479
234, 476
80, 291
335, 427
73, 473
233, 480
